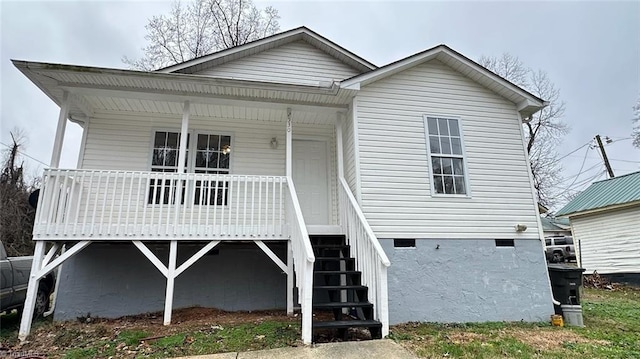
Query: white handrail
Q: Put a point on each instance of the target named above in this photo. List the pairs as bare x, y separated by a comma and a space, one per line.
126, 205
363, 220
303, 259
371, 259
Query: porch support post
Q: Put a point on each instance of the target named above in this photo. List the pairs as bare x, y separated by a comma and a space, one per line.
182, 156
32, 290
62, 125
289, 144
171, 277
339, 149
182, 153
289, 278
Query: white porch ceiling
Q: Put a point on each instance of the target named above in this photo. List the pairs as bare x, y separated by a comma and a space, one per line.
271, 114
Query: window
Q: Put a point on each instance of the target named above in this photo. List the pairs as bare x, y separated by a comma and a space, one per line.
444, 139
211, 155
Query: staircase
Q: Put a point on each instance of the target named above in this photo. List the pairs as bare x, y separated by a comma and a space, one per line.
337, 289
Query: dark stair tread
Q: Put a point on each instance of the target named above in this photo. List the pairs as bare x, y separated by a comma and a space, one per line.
347, 324
329, 245
341, 305
363, 287
334, 259
337, 272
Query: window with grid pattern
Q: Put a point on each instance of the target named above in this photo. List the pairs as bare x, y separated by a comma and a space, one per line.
444, 139
212, 154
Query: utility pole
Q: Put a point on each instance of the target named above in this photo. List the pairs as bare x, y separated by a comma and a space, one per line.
604, 157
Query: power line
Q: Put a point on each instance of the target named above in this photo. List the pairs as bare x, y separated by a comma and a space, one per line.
566, 179
24, 154
581, 167
572, 152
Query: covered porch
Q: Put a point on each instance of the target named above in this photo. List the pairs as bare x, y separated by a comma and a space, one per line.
186, 159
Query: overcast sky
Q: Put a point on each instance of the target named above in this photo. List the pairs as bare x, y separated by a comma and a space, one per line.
590, 50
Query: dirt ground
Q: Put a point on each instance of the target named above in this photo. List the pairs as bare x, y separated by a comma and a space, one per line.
55, 337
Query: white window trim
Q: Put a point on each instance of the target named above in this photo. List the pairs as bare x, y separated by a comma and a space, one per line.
192, 146
463, 156
193, 133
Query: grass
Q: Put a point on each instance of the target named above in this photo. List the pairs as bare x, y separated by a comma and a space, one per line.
612, 330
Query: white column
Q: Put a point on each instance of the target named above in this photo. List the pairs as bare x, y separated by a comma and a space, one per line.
339, 149
62, 125
171, 278
288, 154
289, 278
32, 291
182, 153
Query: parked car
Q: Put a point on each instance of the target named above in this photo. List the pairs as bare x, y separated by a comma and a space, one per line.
14, 283
559, 249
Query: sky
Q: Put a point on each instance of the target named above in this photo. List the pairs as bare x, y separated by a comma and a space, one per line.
590, 50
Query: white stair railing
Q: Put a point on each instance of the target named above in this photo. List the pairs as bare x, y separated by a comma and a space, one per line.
370, 257
303, 259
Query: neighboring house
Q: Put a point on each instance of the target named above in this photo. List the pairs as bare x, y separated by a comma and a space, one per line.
605, 221
555, 227
420, 164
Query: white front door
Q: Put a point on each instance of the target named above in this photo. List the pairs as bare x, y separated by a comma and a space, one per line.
310, 174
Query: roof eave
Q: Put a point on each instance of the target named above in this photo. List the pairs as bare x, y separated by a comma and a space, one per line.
613, 207
529, 105
293, 34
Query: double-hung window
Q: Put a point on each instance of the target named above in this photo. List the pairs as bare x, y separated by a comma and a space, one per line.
209, 154
446, 155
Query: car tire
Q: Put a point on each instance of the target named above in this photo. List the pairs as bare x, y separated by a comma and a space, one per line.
42, 302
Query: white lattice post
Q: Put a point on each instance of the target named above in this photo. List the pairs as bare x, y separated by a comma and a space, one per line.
289, 278
32, 291
60, 130
171, 278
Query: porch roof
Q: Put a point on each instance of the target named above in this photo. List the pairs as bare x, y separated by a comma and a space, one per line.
107, 89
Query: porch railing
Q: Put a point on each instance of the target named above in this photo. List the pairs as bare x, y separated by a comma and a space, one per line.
370, 257
102, 204
303, 259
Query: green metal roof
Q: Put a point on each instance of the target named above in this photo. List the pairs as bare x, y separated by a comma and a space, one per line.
605, 193
554, 224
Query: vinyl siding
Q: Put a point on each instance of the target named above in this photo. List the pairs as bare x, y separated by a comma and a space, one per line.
609, 241
396, 192
294, 63
122, 141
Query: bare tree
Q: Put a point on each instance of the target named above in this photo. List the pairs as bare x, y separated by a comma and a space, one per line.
200, 27
636, 119
544, 130
16, 215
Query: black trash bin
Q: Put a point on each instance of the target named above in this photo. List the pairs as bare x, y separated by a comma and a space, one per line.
566, 281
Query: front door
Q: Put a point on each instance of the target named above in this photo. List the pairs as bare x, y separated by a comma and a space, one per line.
310, 173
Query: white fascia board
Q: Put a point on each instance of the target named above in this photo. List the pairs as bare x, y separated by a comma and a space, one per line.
388, 70
292, 34
337, 48
230, 51
441, 50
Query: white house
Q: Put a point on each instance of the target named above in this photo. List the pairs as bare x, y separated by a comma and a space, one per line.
606, 228
233, 181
